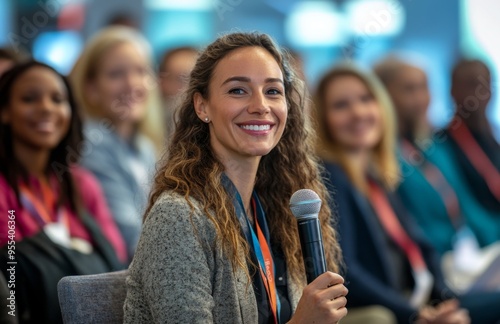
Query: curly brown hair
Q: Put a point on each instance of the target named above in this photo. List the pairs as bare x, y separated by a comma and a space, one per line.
192, 169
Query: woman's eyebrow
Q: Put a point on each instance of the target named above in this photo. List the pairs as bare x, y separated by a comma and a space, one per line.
247, 79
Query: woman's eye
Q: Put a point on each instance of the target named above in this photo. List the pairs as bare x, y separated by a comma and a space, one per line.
339, 105
114, 74
367, 98
274, 92
237, 91
27, 99
58, 99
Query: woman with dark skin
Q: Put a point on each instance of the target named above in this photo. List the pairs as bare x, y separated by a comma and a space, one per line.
58, 221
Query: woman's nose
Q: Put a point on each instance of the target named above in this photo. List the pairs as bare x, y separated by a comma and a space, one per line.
258, 104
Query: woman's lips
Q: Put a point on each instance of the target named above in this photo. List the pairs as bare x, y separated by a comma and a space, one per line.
45, 126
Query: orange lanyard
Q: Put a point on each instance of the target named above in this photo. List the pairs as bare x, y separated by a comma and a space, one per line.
41, 209
258, 240
266, 269
476, 156
393, 227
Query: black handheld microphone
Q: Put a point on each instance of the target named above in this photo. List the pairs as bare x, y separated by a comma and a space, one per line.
305, 205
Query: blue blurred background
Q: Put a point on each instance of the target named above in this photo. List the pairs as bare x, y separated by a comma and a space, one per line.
432, 33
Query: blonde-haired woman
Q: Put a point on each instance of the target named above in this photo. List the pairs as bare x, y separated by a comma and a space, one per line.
357, 142
113, 85
241, 148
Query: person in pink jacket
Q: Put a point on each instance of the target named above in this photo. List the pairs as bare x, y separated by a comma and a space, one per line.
54, 220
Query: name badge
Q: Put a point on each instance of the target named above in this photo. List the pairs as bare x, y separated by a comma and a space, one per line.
466, 252
58, 233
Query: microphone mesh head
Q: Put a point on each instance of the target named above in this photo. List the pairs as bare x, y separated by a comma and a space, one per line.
305, 203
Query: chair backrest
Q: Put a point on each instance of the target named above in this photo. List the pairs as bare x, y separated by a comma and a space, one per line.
93, 298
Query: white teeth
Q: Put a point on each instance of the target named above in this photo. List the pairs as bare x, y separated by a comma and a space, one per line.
256, 127
45, 126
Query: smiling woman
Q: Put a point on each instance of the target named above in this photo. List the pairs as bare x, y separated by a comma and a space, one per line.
247, 112
43, 130
218, 222
61, 225
114, 86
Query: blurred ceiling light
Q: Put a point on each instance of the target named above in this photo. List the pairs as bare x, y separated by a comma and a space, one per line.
179, 5
58, 49
375, 17
314, 23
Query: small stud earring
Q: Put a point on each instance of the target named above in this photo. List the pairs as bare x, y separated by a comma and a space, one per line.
207, 120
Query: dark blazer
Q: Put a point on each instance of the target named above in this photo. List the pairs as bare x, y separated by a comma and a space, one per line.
370, 274
41, 263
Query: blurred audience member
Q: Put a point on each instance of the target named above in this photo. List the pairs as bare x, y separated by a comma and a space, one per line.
297, 63
123, 19
175, 68
450, 210
53, 209
112, 83
389, 263
470, 134
9, 58
409, 91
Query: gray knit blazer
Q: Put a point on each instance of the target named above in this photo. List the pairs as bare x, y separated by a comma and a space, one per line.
179, 273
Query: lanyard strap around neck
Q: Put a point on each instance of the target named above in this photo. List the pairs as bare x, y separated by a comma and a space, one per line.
477, 157
266, 263
393, 227
41, 209
437, 180
259, 241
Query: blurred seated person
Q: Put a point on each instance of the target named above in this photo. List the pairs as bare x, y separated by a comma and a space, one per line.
112, 84
389, 262
470, 136
297, 62
124, 19
9, 58
451, 217
175, 68
51, 208
451, 209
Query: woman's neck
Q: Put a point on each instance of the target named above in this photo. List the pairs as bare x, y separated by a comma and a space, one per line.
243, 173
34, 160
125, 129
359, 160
